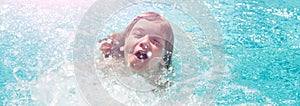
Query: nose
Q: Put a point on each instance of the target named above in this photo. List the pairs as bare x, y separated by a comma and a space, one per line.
145, 43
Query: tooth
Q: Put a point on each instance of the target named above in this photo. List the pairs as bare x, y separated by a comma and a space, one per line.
141, 56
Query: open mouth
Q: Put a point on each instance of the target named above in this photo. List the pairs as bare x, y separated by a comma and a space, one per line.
141, 55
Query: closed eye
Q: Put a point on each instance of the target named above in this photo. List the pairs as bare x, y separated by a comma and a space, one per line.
138, 34
156, 42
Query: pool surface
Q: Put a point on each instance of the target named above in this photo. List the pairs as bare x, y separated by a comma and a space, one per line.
260, 41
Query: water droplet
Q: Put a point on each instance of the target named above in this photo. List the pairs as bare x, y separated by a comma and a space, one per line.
149, 54
117, 42
19, 35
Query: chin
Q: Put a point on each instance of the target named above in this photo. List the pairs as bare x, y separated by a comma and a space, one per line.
140, 67
136, 69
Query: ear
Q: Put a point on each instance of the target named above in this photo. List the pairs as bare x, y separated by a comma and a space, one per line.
167, 58
162, 62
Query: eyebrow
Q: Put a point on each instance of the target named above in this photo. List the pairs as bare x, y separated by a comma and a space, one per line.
139, 29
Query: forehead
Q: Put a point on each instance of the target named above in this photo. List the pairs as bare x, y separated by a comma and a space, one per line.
156, 27
149, 25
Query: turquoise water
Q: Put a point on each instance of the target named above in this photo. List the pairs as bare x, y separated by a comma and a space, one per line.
261, 46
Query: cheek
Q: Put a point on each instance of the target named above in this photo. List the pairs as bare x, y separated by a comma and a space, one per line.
157, 52
128, 46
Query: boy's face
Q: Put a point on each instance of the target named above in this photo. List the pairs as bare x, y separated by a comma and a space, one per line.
145, 42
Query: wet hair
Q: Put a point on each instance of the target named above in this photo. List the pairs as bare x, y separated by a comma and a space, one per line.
153, 17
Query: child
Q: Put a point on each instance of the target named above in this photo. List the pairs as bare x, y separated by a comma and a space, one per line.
146, 44
145, 48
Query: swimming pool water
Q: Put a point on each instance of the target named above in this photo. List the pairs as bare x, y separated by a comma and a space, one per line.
261, 46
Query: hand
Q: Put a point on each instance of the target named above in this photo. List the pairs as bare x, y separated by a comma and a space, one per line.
105, 46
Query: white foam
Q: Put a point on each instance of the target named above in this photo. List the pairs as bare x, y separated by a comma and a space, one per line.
56, 88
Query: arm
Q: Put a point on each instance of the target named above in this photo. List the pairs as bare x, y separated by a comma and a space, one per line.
106, 45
